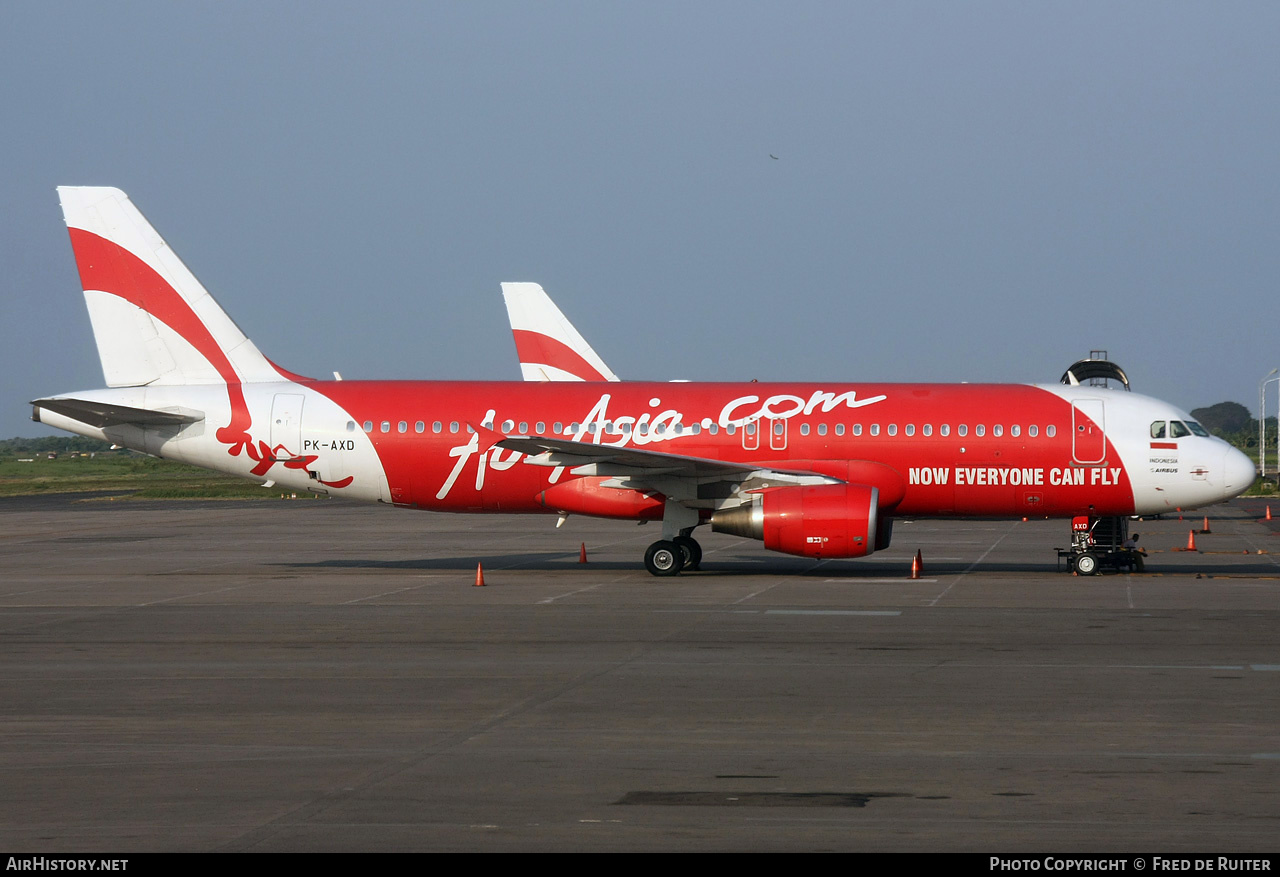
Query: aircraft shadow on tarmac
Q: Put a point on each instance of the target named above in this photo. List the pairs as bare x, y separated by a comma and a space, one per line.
853, 570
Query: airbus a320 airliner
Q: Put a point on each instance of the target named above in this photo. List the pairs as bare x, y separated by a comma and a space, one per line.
812, 469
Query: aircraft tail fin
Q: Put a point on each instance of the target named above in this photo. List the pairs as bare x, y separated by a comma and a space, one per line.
153, 321
550, 349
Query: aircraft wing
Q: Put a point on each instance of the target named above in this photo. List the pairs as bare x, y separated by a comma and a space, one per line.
102, 414
680, 477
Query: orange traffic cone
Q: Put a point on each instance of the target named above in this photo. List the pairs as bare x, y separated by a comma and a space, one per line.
582, 554
1191, 540
1206, 525
1268, 513
917, 565
479, 576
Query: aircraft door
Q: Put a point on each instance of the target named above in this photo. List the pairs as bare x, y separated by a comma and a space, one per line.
751, 435
777, 434
286, 425
1088, 439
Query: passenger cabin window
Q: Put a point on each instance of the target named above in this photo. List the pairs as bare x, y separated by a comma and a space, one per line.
351, 426
437, 426
980, 429
1033, 431
453, 426
962, 430
368, 426
857, 429
386, 426
540, 427
1015, 430
822, 429
893, 429
804, 429
997, 430
419, 427
927, 429
945, 429
875, 429
1051, 430
402, 427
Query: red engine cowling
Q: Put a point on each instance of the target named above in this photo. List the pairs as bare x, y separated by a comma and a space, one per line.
826, 520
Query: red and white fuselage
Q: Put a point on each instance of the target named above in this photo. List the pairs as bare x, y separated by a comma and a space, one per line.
185, 384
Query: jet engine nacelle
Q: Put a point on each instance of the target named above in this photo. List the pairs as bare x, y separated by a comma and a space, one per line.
825, 520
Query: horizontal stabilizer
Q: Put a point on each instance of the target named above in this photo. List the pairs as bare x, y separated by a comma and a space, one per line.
101, 414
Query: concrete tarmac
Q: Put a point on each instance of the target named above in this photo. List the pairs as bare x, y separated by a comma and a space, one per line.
311, 675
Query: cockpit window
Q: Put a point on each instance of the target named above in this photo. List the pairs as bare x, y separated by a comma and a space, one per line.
1178, 429
1197, 428
1157, 429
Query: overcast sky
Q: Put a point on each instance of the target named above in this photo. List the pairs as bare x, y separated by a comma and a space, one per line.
962, 191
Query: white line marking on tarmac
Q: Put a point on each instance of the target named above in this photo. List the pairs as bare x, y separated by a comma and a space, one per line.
975, 563
389, 593
582, 590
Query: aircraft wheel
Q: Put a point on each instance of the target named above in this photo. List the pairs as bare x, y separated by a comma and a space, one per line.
664, 559
691, 550
1086, 564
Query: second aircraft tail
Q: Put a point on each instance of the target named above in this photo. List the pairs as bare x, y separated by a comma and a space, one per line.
550, 349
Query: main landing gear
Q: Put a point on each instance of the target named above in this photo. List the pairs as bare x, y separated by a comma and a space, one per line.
676, 550
669, 557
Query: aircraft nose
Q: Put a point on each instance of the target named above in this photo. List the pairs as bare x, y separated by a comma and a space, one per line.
1238, 471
